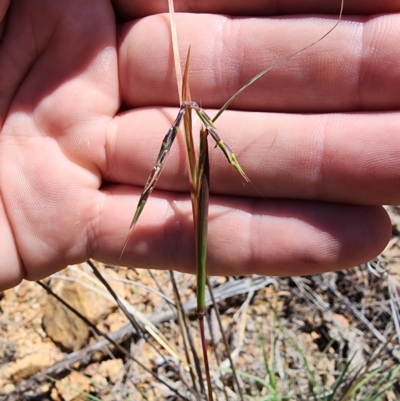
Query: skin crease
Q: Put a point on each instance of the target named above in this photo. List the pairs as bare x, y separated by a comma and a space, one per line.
86, 101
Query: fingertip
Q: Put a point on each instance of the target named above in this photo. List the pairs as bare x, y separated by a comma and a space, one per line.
11, 267
357, 234
373, 234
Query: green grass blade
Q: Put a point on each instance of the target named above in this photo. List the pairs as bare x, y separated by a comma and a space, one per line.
202, 199
201, 227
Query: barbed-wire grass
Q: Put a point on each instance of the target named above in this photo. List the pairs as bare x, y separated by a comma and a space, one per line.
199, 171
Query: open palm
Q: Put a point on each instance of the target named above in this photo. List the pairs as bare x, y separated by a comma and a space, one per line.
85, 102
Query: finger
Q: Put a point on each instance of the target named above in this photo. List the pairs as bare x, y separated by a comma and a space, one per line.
11, 270
353, 68
140, 8
67, 71
4, 4
351, 158
261, 237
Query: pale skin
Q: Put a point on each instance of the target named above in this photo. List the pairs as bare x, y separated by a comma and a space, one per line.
319, 136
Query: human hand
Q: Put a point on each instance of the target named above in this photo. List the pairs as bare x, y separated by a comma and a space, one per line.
319, 134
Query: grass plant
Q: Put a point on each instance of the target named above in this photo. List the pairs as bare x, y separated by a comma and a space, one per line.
199, 170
